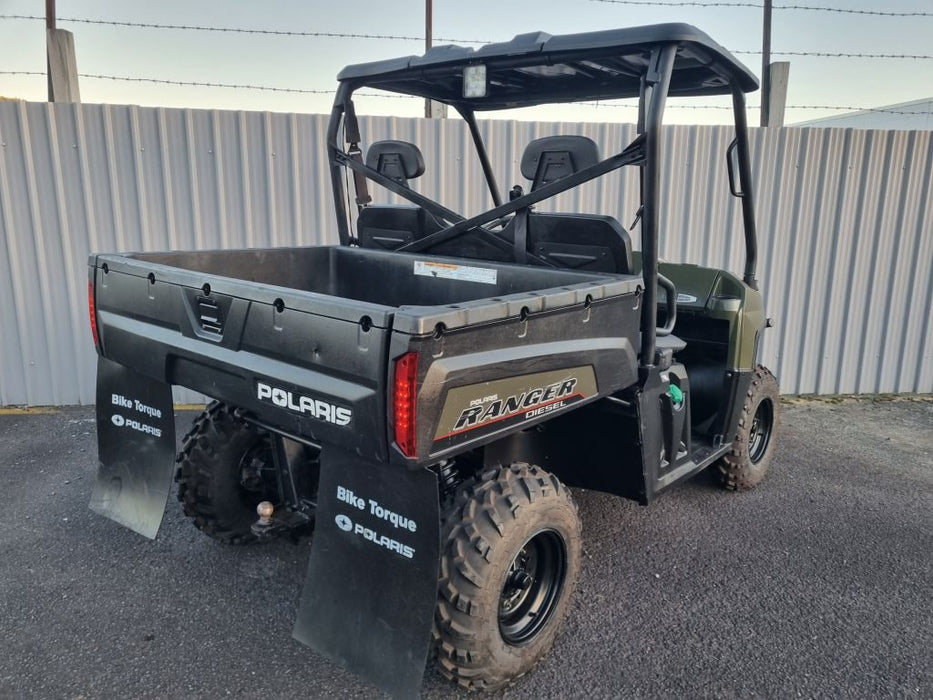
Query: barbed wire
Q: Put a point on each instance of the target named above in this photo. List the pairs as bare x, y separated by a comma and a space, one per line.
827, 54
841, 108
243, 30
297, 33
313, 91
197, 83
804, 8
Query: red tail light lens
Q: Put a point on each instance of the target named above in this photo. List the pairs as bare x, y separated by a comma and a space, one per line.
404, 403
92, 312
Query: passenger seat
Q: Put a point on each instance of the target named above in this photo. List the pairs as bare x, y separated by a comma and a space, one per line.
590, 242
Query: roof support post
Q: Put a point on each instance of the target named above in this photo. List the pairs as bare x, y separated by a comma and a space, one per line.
746, 186
488, 172
657, 81
333, 135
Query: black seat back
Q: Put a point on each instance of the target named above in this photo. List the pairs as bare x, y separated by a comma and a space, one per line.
399, 160
553, 157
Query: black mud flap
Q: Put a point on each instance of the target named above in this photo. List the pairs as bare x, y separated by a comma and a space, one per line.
135, 446
369, 597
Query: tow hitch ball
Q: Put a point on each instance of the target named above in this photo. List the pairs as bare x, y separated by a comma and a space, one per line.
270, 524
266, 528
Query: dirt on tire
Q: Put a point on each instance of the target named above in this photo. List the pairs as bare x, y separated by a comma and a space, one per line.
741, 469
488, 522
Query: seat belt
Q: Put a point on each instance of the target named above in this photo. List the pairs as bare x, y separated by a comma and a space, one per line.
352, 135
519, 228
521, 236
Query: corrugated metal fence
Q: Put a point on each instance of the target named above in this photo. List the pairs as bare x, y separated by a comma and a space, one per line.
845, 221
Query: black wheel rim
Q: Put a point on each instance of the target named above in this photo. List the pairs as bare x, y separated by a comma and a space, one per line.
760, 433
257, 475
532, 587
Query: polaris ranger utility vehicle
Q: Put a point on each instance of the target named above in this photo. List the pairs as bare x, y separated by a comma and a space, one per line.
424, 393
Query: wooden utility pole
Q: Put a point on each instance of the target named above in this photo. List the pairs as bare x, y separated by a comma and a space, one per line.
435, 110
60, 60
49, 26
778, 76
766, 64
428, 36
774, 77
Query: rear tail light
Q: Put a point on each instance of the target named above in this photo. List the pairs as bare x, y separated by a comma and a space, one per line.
404, 403
92, 312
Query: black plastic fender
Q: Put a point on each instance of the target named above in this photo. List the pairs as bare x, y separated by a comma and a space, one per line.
371, 589
135, 446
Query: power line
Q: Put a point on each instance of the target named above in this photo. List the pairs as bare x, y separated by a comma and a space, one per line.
243, 30
309, 91
806, 8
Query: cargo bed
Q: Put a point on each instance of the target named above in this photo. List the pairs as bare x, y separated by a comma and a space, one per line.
305, 337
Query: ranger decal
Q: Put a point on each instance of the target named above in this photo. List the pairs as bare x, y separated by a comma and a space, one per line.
516, 399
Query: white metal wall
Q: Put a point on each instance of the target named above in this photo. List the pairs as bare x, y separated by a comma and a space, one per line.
845, 222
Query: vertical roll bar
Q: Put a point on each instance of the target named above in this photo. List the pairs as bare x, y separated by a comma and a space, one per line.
333, 135
658, 80
480, 146
745, 185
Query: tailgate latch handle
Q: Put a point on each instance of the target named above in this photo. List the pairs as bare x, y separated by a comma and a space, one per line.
210, 315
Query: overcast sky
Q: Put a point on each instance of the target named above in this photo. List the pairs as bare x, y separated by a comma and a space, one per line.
312, 63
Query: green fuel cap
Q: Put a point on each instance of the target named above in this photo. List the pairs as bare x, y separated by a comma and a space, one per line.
677, 396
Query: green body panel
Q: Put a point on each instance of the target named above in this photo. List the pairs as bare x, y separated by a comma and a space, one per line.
718, 294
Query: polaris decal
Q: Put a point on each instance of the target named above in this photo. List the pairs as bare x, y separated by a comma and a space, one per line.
505, 402
379, 513
121, 421
293, 401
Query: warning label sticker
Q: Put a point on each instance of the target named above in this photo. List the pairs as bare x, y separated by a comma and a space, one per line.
463, 273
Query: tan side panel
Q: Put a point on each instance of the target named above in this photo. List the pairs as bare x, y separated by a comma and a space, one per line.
523, 397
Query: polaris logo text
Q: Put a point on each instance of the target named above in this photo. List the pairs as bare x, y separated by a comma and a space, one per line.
383, 541
526, 401
322, 410
133, 424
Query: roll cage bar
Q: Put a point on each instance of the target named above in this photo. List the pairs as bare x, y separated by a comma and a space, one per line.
644, 151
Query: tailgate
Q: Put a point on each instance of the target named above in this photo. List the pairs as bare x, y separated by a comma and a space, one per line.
306, 363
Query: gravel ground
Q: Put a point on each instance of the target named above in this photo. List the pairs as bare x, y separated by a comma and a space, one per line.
816, 584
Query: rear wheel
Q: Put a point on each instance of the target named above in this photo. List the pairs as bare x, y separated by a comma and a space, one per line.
510, 556
747, 463
225, 469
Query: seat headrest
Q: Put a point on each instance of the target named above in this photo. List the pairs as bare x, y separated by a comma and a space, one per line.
398, 160
553, 157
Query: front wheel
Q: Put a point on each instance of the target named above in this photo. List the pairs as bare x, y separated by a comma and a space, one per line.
748, 461
510, 556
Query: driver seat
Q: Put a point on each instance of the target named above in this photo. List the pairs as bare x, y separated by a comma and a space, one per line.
388, 226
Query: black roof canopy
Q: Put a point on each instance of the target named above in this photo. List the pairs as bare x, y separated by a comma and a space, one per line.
538, 68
